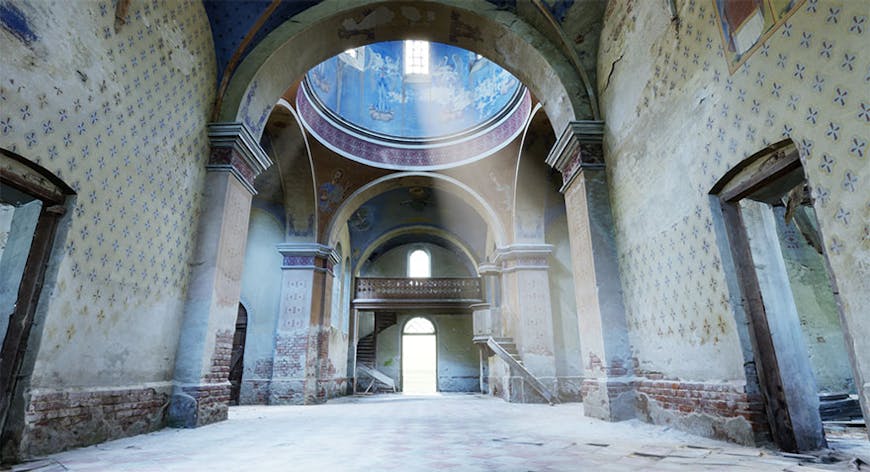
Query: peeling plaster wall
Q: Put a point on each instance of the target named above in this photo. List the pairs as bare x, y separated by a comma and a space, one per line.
120, 117
457, 356
677, 120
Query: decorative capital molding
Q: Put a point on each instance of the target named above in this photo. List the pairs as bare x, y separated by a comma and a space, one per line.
523, 256
488, 268
312, 256
234, 149
579, 147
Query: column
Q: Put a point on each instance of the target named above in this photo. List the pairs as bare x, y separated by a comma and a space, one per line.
300, 362
201, 389
578, 155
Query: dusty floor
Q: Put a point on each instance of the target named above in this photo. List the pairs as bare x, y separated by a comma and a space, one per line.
420, 433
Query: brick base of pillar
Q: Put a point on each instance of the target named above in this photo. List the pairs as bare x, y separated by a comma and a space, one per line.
198, 405
610, 399
569, 389
287, 392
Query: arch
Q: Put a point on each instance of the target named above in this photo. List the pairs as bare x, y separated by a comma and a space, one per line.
419, 337
419, 325
293, 172
421, 179
299, 44
416, 229
532, 183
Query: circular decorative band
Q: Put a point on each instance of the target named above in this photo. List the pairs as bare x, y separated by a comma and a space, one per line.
422, 156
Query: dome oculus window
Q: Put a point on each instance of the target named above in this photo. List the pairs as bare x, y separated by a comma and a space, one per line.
416, 57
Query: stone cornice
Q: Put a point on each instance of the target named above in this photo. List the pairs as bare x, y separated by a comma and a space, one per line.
579, 147
234, 148
307, 256
488, 268
523, 256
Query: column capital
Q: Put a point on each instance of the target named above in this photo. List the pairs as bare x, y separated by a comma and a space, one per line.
312, 256
234, 149
579, 147
522, 256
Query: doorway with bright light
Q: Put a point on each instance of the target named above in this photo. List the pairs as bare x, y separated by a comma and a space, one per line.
419, 357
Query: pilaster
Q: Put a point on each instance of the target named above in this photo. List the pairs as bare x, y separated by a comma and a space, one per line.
300, 361
528, 311
201, 386
607, 387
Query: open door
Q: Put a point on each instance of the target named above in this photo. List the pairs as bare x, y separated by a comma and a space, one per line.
419, 357
32, 200
237, 358
789, 298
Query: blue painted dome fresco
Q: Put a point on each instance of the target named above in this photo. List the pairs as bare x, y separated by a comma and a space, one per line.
413, 91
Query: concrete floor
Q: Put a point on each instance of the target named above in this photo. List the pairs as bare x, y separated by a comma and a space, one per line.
420, 433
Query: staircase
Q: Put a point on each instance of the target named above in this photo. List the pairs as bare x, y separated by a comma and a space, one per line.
366, 346
376, 376
365, 350
506, 349
366, 353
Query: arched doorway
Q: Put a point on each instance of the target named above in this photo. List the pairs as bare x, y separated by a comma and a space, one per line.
419, 357
237, 358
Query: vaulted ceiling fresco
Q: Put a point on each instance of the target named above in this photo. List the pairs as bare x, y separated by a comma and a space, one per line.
411, 90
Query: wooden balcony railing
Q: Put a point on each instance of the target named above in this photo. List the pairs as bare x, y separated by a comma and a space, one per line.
445, 289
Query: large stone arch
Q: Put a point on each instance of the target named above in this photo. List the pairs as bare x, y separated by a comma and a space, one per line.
420, 179
294, 170
532, 180
293, 48
385, 238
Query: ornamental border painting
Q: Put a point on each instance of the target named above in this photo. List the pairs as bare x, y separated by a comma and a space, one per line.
745, 25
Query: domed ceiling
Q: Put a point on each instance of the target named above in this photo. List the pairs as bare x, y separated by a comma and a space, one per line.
412, 105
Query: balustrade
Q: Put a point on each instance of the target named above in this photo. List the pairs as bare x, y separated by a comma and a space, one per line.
440, 288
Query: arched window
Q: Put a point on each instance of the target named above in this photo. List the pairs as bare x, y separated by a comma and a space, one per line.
419, 263
419, 325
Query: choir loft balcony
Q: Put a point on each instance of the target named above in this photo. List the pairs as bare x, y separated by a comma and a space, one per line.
445, 294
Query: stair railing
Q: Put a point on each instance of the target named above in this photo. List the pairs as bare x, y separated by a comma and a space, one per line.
527, 376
